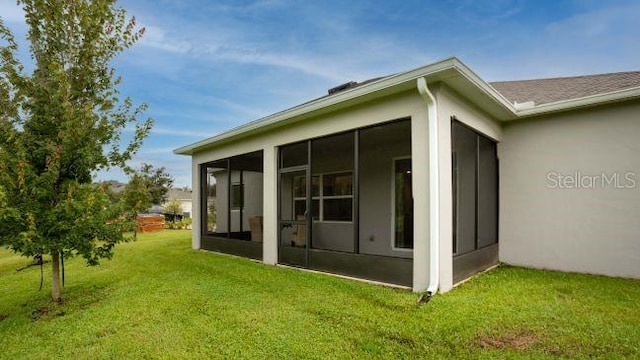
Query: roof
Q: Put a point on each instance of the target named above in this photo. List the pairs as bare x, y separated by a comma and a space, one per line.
178, 194
505, 101
544, 91
115, 186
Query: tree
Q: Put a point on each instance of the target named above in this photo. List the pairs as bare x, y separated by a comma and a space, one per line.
174, 208
60, 124
147, 186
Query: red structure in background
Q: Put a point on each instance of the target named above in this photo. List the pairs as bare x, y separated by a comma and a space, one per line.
150, 222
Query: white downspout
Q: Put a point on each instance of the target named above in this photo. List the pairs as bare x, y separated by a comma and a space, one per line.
434, 187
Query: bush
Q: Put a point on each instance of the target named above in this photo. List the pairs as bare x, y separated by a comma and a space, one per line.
180, 224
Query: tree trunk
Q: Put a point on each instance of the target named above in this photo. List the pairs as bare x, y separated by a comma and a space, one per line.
55, 278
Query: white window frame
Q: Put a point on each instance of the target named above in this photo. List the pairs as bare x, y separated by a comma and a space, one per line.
393, 204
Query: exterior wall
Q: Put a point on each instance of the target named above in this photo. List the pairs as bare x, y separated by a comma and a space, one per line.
332, 235
187, 206
451, 104
593, 230
404, 105
376, 190
252, 184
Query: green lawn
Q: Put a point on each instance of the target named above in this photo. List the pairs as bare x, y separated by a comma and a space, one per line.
159, 299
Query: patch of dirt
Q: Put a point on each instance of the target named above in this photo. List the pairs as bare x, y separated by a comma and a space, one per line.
37, 314
3, 316
521, 340
45, 313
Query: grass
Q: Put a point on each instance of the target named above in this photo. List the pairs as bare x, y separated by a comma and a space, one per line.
159, 299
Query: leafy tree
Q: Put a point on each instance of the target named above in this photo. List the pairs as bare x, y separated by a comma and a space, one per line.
61, 123
174, 207
147, 186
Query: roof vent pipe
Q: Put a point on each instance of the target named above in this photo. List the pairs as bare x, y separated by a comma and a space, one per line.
345, 86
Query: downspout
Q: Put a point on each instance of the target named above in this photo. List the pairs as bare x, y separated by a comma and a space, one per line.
434, 187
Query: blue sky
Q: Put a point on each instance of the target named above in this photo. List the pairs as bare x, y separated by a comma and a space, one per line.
207, 66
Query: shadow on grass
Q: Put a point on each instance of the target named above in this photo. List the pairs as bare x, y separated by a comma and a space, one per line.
75, 300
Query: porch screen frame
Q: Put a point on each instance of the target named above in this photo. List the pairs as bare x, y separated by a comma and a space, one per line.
228, 244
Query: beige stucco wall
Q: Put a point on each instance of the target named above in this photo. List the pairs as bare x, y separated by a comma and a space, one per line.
592, 229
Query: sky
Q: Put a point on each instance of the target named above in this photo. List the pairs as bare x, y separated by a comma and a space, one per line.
206, 66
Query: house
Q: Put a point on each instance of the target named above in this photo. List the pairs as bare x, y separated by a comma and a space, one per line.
183, 196
426, 177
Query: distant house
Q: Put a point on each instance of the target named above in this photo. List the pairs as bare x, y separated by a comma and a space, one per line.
115, 186
183, 196
428, 176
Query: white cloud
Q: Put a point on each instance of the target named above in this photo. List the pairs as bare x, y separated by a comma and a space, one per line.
171, 131
156, 37
601, 24
156, 151
178, 132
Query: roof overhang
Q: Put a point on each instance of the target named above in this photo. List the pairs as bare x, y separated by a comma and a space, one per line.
451, 71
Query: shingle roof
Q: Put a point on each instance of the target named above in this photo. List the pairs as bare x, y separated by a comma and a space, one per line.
542, 91
178, 194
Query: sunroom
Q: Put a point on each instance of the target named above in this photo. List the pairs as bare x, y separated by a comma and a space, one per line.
352, 183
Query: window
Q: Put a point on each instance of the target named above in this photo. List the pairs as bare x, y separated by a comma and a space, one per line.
237, 196
300, 196
336, 198
402, 204
333, 201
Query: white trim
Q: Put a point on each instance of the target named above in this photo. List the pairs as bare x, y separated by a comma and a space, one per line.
434, 187
408, 77
598, 99
393, 204
431, 70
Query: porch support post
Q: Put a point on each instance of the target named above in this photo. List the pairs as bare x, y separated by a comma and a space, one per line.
425, 148
270, 206
420, 183
196, 204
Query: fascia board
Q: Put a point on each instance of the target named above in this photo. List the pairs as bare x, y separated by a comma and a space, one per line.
326, 102
600, 99
484, 87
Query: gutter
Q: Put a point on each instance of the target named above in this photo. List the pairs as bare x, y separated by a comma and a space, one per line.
434, 187
432, 69
323, 102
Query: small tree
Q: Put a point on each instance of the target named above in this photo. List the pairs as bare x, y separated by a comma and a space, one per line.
59, 125
174, 208
147, 186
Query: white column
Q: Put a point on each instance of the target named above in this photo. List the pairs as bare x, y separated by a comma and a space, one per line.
270, 204
420, 179
196, 212
446, 204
